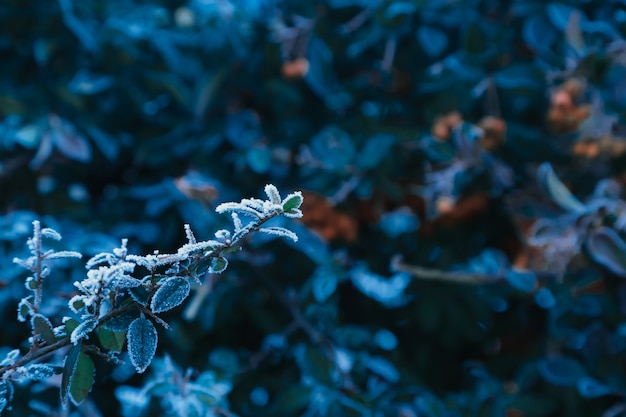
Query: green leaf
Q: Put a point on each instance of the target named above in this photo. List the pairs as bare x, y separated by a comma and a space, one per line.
82, 378
171, 294
68, 369
70, 326
142, 341
218, 265
292, 201
112, 340
42, 326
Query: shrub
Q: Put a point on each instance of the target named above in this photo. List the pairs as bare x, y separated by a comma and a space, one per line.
461, 248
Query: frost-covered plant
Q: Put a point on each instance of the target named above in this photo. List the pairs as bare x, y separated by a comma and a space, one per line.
120, 299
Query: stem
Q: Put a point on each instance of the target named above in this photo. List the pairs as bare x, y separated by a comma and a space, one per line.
315, 335
34, 355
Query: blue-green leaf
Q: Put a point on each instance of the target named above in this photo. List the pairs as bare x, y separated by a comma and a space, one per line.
142, 341
170, 294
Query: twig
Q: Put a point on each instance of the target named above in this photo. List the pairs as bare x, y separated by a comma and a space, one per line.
315, 335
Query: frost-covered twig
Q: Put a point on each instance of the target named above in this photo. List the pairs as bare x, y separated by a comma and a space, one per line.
112, 295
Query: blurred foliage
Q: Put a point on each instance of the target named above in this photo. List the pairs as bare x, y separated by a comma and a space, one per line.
461, 251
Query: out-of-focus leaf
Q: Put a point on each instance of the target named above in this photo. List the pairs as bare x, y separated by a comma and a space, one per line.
544, 298
560, 14
557, 190
375, 150
387, 291
243, 129
383, 367
433, 40
85, 82
525, 281
324, 284
591, 388
259, 159
399, 222
608, 249
385, 339
334, 148
561, 371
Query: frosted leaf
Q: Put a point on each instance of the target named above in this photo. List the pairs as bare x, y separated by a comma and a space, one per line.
77, 303
125, 281
37, 371
218, 265
237, 222
27, 263
222, 234
30, 283
42, 326
189, 233
122, 250
272, 193
280, 231
170, 294
238, 208
10, 358
50, 233
292, 202
6, 395
100, 258
142, 343
83, 330
387, 291
293, 213
25, 308
64, 254
189, 248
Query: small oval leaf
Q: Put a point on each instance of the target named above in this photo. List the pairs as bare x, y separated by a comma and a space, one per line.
218, 265
42, 327
82, 378
170, 294
142, 342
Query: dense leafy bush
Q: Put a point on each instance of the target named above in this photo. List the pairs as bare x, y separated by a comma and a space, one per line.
461, 250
